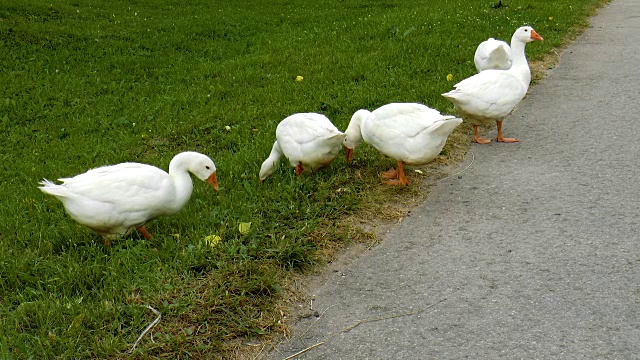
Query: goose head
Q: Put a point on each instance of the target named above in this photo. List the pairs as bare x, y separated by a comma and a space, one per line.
353, 134
201, 166
526, 34
266, 170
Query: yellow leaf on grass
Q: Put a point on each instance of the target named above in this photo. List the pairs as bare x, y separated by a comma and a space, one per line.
449, 77
244, 228
212, 240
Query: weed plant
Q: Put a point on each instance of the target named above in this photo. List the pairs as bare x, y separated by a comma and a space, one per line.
87, 83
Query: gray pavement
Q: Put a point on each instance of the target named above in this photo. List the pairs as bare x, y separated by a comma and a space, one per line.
533, 251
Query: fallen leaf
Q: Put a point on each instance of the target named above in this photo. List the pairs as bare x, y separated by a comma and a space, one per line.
212, 240
244, 228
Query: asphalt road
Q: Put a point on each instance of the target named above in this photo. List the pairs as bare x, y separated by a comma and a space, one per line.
533, 251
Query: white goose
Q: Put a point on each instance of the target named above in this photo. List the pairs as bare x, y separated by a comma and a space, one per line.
492, 54
492, 94
308, 140
114, 200
413, 134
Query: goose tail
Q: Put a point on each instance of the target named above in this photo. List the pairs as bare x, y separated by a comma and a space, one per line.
51, 188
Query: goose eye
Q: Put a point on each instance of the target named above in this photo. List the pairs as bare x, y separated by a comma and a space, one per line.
525, 30
207, 167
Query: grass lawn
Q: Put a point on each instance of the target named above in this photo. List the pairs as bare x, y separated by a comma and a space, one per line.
92, 82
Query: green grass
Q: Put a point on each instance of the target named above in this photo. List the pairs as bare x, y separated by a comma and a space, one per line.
91, 82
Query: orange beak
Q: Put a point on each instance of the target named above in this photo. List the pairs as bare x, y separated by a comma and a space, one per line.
349, 153
535, 35
213, 180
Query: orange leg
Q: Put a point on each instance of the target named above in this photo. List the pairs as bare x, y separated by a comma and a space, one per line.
402, 180
144, 232
478, 139
107, 242
501, 138
299, 169
389, 174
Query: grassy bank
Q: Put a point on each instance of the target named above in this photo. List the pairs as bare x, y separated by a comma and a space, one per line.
88, 83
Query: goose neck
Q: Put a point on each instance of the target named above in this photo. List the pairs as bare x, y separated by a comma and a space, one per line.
354, 130
520, 66
518, 53
182, 182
